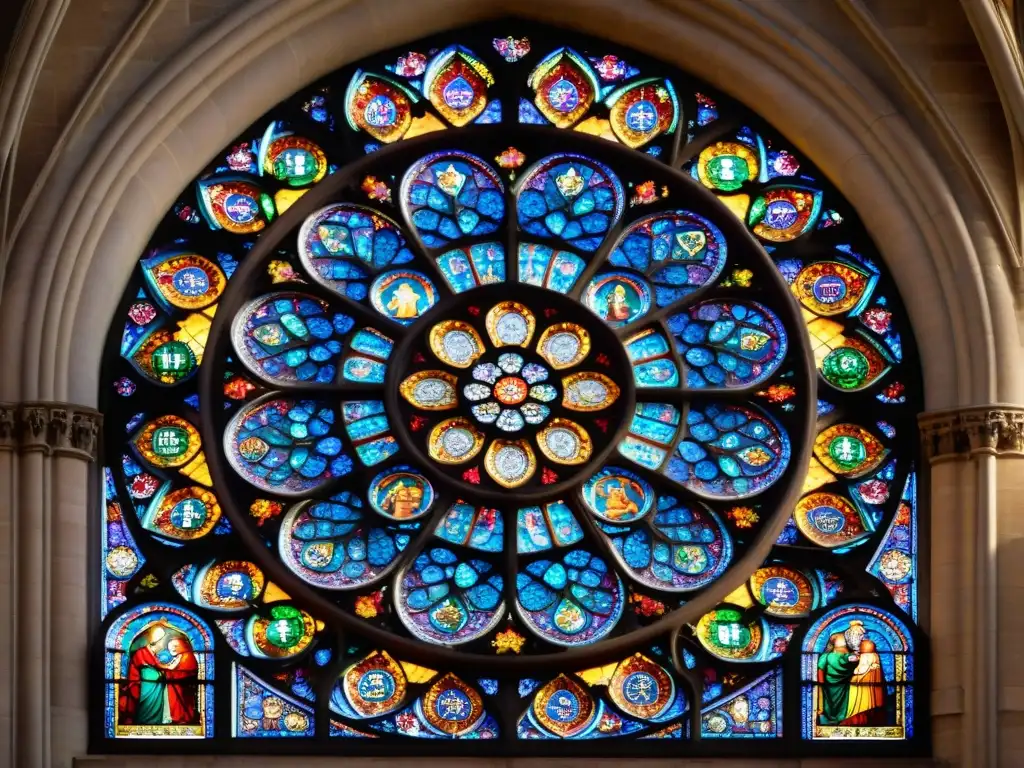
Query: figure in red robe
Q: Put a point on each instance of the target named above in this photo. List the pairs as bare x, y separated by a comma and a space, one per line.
161, 687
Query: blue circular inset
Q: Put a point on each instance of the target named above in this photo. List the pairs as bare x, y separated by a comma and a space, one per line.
380, 112
241, 209
642, 117
828, 289
191, 281
780, 214
827, 519
188, 514
780, 591
563, 707
640, 688
376, 685
234, 585
563, 96
453, 705
458, 94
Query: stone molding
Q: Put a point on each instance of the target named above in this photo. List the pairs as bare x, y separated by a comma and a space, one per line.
50, 428
994, 430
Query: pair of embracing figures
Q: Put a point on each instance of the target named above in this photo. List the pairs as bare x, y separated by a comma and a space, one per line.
851, 683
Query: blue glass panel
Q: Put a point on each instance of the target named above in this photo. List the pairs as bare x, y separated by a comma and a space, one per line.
728, 344
449, 195
337, 241
571, 198
336, 545
480, 264
481, 528
286, 446
754, 711
895, 561
678, 548
541, 528
262, 712
573, 601
694, 246
441, 599
732, 451
373, 343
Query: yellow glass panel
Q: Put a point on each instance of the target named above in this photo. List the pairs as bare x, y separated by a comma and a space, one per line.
198, 471
738, 204
426, 124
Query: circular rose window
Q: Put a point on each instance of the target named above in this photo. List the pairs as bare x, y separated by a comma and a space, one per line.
503, 398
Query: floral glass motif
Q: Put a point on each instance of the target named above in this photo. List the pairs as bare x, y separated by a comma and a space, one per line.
363, 416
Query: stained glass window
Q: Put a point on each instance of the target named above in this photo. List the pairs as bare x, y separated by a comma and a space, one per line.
475, 443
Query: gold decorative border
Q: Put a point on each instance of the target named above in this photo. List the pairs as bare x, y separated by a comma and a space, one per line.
51, 428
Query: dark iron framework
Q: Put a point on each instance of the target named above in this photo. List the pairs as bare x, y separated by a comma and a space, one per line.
344, 631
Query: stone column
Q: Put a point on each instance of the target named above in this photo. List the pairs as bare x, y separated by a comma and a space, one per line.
45, 453
976, 621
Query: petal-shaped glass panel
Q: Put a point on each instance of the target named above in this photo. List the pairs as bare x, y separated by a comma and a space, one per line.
456, 343
849, 450
564, 345
574, 600
380, 106
571, 198
290, 337
781, 214
830, 288
183, 280
729, 344
510, 324
565, 442
450, 195
642, 110
732, 451
564, 87
855, 364
454, 441
430, 390
588, 391
442, 599
510, 463
456, 84
286, 446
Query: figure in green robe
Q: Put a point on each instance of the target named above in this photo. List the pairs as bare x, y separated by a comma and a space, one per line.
835, 670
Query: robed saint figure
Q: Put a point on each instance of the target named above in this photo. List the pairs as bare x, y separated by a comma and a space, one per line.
161, 687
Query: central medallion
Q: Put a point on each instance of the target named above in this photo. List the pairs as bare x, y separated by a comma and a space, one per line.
520, 394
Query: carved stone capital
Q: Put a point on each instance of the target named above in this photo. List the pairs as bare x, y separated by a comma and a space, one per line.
51, 428
992, 429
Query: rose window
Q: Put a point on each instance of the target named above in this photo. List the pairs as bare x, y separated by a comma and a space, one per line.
550, 397
559, 408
